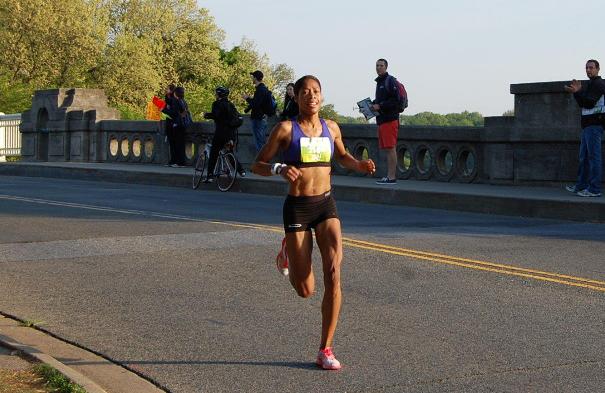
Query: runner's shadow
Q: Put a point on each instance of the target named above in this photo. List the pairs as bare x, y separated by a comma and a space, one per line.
131, 363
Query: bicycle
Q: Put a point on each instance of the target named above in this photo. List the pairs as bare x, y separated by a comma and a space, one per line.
225, 170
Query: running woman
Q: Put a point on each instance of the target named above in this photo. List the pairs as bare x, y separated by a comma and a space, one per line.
308, 144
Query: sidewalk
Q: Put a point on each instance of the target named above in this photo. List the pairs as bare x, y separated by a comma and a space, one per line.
538, 202
94, 373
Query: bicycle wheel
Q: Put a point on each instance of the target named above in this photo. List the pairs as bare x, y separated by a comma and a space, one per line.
198, 169
226, 171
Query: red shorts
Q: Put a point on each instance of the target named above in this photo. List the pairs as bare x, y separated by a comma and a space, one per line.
387, 134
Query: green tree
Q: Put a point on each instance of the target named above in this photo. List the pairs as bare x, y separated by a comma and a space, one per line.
50, 44
351, 120
179, 43
466, 119
14, 96
328, 112
129, 74
243, 59
130, 48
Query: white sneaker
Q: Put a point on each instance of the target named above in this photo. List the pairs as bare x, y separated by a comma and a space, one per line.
586, 193
572, 189
385, 181
326, 360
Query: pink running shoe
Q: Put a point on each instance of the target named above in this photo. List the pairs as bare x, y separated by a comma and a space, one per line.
282, 259
326, 360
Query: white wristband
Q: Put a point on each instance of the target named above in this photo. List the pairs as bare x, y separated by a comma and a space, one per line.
276, 168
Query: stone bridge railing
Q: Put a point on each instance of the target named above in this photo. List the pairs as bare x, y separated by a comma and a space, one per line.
424, 152
538, 145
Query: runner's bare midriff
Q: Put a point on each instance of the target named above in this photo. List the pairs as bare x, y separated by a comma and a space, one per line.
314, 181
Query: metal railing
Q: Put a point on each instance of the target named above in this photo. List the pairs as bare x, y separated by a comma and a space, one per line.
10, 136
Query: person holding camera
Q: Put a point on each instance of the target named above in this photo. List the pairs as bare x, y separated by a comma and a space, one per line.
590, 97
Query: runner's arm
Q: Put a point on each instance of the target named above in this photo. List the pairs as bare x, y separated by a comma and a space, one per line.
279, 136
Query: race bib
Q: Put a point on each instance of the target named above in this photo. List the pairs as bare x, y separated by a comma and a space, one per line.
315, 149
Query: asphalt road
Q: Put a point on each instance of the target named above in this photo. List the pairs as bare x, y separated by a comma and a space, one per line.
181, 286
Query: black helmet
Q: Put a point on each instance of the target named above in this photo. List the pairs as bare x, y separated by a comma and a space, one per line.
222, 91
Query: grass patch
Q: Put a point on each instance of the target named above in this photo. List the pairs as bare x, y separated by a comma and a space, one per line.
56, 381
31, 323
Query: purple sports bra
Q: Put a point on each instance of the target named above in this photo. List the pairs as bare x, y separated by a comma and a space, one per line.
305, 152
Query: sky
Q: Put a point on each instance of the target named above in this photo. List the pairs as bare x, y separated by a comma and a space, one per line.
451, 55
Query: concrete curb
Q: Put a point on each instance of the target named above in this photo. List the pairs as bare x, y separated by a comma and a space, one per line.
38, 356
93, 371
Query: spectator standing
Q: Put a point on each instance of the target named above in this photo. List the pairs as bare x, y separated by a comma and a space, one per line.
386, 105
590, 96
256, 105
223, 113
181, 119
290, 106
168, 124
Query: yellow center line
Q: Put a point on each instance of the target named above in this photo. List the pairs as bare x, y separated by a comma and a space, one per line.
455, 261
511, 270
384, 247
489, 269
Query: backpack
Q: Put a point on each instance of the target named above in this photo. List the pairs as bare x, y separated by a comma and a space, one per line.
402, 95
236, 120
270, 104
185, 116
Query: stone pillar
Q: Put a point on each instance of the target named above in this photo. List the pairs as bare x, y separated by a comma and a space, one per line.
62, 125
540, 143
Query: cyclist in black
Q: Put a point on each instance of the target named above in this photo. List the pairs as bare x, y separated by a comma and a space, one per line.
223, 114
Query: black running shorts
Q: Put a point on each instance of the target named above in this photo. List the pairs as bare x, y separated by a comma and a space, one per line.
301, 213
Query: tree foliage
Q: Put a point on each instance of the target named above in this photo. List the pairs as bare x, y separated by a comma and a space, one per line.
327, 111
352, 120
463, 119
130, 48
48, 44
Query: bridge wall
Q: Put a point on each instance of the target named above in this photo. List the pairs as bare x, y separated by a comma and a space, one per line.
539, 145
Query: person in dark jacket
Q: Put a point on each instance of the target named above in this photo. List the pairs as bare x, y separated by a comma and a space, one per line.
255, 106
168, 124
590, 96
385, 105
178, 111
223, 112
290, 106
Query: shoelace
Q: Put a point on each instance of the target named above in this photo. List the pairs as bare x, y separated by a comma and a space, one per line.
328, 353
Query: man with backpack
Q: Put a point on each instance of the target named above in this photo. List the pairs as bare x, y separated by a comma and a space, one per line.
390, 101
261, 105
